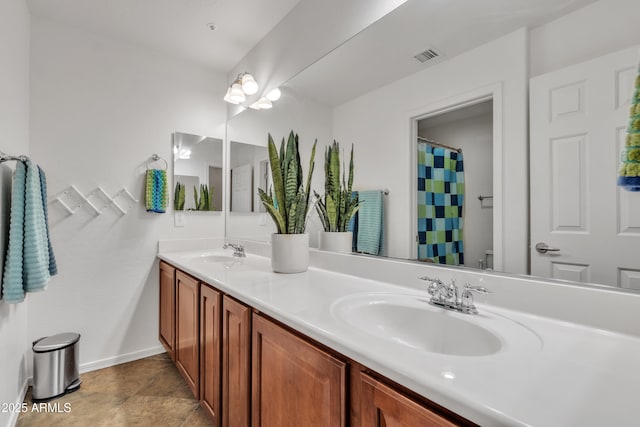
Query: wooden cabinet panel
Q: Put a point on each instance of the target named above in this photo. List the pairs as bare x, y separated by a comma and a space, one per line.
187, 330
294, 383
236, 363
382, 406
210, 355
167, 313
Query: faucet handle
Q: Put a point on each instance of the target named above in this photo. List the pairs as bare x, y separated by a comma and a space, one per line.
434, 286
479, 289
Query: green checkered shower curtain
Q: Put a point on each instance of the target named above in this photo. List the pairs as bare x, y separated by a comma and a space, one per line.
440, 205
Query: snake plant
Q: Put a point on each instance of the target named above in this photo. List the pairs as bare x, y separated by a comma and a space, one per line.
338, 205
205, 201
178, 197
290, 207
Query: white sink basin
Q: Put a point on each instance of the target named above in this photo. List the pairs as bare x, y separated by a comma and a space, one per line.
211, 257
410, 321
218, 258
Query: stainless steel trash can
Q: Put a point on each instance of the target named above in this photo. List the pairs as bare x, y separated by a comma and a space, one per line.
55, 366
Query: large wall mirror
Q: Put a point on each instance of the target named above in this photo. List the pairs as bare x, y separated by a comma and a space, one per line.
501, 83
248, 170
197, 173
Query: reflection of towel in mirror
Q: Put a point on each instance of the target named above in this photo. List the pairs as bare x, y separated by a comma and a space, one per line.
28, 261
156, 190
370, 223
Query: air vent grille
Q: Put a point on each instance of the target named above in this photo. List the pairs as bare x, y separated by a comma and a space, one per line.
427, 55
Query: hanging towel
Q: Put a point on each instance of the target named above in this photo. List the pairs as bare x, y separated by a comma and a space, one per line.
629, 175
27, 264
53, 267
156, 190
36, 251
353, 226
371, 223
12, 283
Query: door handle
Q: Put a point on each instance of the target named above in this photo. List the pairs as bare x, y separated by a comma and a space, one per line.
543, 248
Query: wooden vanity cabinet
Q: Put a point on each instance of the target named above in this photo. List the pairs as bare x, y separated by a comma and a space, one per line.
294, 383
210, 351
236, 363
384, 406
167, 328
249, 370
187, 348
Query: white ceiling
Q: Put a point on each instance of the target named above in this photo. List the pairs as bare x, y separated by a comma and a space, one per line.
176, 27
384, 52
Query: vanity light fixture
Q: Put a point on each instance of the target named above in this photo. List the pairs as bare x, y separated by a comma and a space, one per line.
274, 94
249, 84
244, 84
261, 104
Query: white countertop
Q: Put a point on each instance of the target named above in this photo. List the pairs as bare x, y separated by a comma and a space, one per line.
553, 374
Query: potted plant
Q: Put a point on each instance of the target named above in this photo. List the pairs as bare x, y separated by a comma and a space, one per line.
338, 206
288, 206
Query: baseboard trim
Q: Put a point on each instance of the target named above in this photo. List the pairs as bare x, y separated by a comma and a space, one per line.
122, 358
23, 393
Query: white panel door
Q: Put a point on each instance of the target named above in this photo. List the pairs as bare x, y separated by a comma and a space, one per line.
579, 117
241, 188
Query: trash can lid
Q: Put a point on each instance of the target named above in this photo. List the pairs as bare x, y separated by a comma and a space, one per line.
55, 342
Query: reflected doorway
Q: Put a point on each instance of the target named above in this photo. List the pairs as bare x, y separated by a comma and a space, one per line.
455, 186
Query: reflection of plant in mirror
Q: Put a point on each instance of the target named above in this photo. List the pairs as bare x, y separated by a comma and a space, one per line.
290, 208
178, 197
204, 201
338, 206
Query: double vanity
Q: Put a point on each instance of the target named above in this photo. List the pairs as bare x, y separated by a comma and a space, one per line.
363, 343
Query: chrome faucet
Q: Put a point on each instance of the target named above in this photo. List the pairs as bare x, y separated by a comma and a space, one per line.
238, 250
446, 296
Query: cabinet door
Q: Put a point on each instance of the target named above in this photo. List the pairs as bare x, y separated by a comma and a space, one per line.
293, 382
167, 325
236, 363
187, 330
382, 406
210, 368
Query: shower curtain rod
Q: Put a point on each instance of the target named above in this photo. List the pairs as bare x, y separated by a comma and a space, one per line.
459, 150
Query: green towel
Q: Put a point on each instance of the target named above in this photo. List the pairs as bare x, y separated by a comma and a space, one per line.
156, 190
370, 238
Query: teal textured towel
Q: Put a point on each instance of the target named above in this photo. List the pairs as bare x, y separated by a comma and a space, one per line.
12, 283
53, 267
27, 264
370, 238
36, 250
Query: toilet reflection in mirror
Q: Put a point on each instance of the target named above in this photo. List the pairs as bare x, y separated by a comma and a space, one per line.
249, 170
197, 173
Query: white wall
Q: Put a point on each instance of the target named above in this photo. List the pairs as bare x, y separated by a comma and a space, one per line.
595, 30
14, 122
99, 110
379, 124
474, 135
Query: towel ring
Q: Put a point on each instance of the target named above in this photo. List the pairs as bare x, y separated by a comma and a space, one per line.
155, 158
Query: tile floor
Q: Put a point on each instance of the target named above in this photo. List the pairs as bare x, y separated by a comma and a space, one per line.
146, 392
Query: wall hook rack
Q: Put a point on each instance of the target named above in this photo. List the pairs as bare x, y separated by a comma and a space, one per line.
99, 193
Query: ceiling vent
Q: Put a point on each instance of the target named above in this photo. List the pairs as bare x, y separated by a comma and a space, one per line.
427, 55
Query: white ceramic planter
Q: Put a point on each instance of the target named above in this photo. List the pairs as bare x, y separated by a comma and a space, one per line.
289, 253
335, 241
